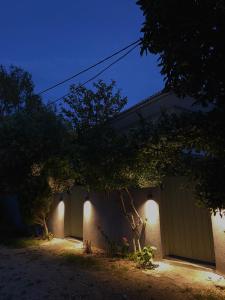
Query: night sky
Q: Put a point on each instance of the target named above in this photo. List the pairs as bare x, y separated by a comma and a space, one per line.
54, 39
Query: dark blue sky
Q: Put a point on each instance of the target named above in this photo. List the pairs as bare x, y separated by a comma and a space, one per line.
54, 39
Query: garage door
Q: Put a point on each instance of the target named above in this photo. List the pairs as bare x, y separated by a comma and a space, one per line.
186, 228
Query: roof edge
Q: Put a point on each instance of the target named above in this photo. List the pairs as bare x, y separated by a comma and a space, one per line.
153, 98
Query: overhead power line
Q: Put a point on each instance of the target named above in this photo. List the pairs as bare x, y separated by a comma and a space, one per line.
98, 74
89, 68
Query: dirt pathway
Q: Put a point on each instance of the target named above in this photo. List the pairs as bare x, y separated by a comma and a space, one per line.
57, 270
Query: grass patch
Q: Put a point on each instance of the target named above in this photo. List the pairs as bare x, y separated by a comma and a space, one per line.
81, 261
19, 243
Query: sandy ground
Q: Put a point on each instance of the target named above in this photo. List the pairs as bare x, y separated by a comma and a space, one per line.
50, 271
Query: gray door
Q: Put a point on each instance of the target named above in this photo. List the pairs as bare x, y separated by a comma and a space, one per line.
186, 228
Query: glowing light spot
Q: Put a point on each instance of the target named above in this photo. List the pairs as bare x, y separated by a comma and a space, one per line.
152, 211
87, 210
61, 210
215, 277
219, 221
162, 266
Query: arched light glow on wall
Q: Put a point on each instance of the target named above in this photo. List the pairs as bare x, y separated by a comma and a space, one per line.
152, 212
61, 210
219, 221
87, 210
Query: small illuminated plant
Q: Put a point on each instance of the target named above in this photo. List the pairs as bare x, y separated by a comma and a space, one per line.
144, 258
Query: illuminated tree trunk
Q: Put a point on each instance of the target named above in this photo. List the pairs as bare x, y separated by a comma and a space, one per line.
46, 231
42, 222
134, 219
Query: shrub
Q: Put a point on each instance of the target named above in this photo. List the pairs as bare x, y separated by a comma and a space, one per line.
144, 258
49, 236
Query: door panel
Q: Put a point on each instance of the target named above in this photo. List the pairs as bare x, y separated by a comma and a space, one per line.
186, 228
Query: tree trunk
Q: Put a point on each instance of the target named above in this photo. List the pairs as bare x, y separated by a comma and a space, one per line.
134, 245
45, 227
134, 219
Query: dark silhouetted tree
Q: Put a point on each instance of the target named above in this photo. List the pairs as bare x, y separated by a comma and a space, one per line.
187, 36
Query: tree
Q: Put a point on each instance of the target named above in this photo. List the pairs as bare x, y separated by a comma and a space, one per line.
34, 161
104, 159
88, 108
89, 113
187, 37
16, 91
37, 193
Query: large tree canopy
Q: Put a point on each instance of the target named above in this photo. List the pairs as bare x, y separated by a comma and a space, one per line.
188, 36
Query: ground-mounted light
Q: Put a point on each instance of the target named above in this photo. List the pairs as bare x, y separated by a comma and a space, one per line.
152, 211
212, 276
87, 210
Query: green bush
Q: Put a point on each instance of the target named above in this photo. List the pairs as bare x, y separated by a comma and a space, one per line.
144, 258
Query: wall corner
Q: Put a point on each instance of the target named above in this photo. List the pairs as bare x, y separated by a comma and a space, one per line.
218, 226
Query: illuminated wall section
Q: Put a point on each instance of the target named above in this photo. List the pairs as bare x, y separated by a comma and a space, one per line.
150, 211
87, 210
90, 221
103, 214
58, 219
218, 225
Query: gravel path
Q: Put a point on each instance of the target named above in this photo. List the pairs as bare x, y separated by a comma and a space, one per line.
56, 270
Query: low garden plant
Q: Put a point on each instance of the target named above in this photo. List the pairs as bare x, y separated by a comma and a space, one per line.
144, 258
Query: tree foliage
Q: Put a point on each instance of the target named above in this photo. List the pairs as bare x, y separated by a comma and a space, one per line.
95, 144
187, 37
16, 91
105, 159
201, 153
34, 162
85, 107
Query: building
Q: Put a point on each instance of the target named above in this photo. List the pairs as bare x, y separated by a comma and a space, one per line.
175, 225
